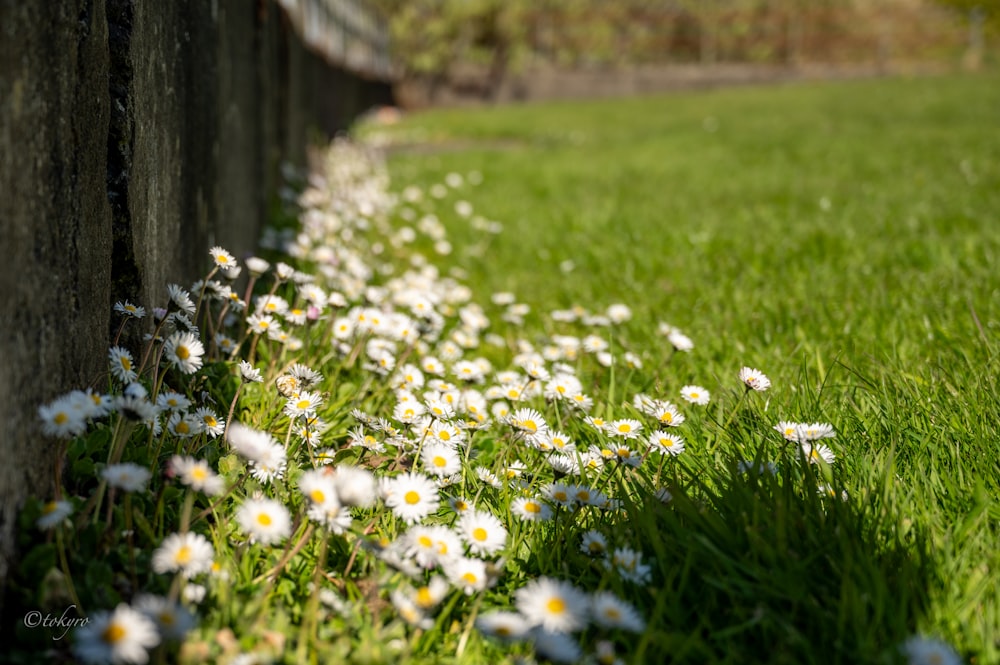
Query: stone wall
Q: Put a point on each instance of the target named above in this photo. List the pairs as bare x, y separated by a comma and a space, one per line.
133, 136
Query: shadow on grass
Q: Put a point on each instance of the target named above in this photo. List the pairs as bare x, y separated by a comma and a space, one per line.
755, 567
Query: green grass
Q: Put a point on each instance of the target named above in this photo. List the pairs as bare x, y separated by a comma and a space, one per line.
844, 238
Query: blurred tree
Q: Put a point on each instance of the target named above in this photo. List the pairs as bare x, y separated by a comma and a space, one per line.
982, 15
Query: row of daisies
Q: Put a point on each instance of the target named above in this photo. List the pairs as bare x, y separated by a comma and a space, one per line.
426, 471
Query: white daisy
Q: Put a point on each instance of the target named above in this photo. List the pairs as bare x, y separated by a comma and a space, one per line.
440, 459
53, 514
504, 625
412, 496
695, 395
483, 532
530, 509
173, 620
610, 611
184, 351
124, 635
127, 476
754, 379
554, 605
197, 475
267, 521
122, 365
187, 553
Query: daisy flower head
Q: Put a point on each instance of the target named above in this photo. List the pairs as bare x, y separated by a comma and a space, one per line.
814, 431
249, 373
554, 605
666, 443
180, 300
122, 365
559, 493
610, 611
410, 612
184, 351
920, 650
628, 563
188, 553
222, 258
754, 379
695, 395
469, 575
61, 420
556, 647
815, 453
530, 509
788, 429
261, 324
303, 405
680, 341
197, 475
594, 543
412, 496
185, 425
625, 428
270, 464
210, 422
125, 308
440, 459
124, 635
266, 521
355, 486
249, 443
172, 401
505, 625
483, 532
127, 476
172, 619
668, 415
53, 514
527, 420
257, 266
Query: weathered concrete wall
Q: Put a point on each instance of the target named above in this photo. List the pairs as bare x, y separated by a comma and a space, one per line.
55, 228
133, 137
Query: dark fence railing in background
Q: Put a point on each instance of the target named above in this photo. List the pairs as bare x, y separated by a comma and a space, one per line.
347, 33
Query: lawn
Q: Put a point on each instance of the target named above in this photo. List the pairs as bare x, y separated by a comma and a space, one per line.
700, 378
842, 237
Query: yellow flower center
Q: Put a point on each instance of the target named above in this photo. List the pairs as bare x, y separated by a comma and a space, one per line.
624, 428
264, 519
529, 425
444, 435
60, 418
479, 534
182, 427
412, 497
183, 353
440, 462
424, 597
613, 613
303, 404
113, 634
50, 507
556, 605
470, 578
126, 363
183, 555
560, 496
221, 258
317, 496
425, 541
532, 507
210, 421
503, 631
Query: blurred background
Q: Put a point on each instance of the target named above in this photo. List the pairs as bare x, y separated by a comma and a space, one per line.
459, 51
